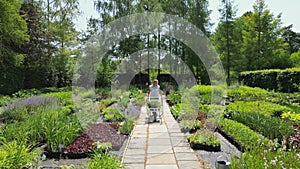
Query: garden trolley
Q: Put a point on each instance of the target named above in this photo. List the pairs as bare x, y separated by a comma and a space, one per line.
154, 107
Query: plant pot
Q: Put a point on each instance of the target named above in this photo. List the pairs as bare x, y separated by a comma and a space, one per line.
185, 130
194, 130
54, 155
76, 156
201, 146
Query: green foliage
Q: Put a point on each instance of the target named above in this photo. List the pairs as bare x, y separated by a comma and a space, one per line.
205, 137
295, 59
175, 110
291, 116
26, 93
174, 97
242, 134
5, 100
138, 96
105, 72
64, 97
124, 100
206, 92
268, 156
273, 79
60, 130
104, 103
111, 114
245, 93
56, 127
22, 109
13, 34
271, 127
101, 158
127, 126
14, 155
153, 104
266, 108
190, 124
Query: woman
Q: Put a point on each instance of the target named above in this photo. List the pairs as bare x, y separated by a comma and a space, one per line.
154, 93
154, 90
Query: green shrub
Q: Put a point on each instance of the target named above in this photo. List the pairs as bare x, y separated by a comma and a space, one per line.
258, 106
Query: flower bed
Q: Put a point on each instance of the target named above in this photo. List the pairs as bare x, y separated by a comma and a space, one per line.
83, 145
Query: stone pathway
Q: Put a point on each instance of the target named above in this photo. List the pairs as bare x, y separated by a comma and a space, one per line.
159, 146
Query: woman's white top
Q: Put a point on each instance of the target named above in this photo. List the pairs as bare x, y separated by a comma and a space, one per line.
154, 91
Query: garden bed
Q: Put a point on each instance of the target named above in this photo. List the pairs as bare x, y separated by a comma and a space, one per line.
82, 146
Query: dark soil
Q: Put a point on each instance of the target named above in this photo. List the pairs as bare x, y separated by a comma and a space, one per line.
101, 132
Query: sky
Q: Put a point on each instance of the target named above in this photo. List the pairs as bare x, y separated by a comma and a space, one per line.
289, 8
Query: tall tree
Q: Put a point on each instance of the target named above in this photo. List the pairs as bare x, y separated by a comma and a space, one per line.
263, 45
13, 33
225, 36
292, 38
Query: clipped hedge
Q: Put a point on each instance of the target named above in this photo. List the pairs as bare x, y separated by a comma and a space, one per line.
273, 79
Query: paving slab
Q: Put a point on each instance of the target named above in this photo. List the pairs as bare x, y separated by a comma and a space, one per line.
161, 167
185, 149
159, 149
159, 146
189, 165
159, 135
186, 156
159, 142
134, 166
161, 159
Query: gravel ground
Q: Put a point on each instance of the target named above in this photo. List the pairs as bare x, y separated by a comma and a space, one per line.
227, 152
